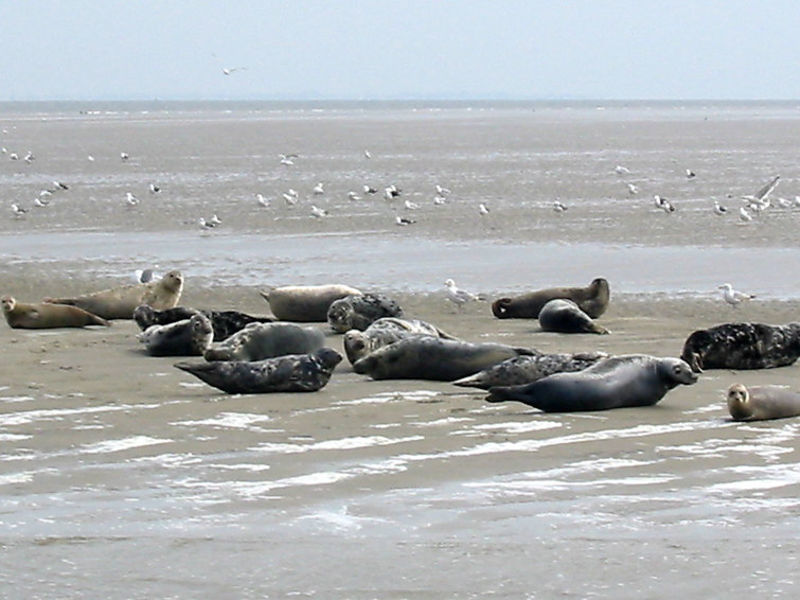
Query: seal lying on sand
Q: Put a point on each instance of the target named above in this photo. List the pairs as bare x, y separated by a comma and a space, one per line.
759, 403
616, 382
293, 373
189, 337
360, 311
46, 316
305, 303
427, 357
527, 369
225, 322
120, 302
742, 346
258, 341
383, 332
564, 316
592, 299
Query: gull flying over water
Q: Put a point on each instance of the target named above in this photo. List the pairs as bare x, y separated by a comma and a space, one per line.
760, 197
732, 296
231, 70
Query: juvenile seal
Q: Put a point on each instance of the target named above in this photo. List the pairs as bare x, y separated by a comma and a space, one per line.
427, 357
189, 337
742, 346
293, 373
305, 303
759, 403
258, 341
616, 382
120, 302
564, 316
384, 332
527, 369
360, 311
592, 299
46, 316
225, 322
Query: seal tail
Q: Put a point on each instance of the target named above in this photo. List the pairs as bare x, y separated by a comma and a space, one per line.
505, 394
470, 381
69, 301
98, 320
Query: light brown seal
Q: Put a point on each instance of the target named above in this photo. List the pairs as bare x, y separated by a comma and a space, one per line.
592, 299
120, 302
46, 316
759, 403
305, 303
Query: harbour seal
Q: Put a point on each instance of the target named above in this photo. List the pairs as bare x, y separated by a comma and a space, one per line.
616, 382
46, 316
527, 369
592, 299
427, 357
305, 303
224, 322
742, 346
759, 403
564, 316
360, 311
258, 341
120, 302
292, 373
189, 337
383, 332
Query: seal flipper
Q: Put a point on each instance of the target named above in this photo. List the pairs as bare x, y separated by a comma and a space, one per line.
508, 393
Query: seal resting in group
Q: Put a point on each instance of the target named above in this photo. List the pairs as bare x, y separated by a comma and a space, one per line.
759, 403
383, 332
46, 316
433, 358
292, 373
258, 341
189, 337
742, 346
527, 369
305, 303
564, 316
120, 302
616, 382
224, 322
360, 311
592, 299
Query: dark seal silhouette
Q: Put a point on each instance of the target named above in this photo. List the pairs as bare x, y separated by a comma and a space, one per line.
592, 299
224, 322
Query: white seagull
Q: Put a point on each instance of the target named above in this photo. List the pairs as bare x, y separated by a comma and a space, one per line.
733, 297
230, 70
154, 189
483, 209
410, 205
760, 197
663, 204
403, 221
620, 170
353, 196
690, 174
131, 199
367, 154
61, 186
288, 159
559, 206
41, 202
744, 216
719, 209
262, 200
632, 188
442, 191
368, 189
391, 192
124, 156
90, 158
438, 200
318, 212
457, 296
18, 210
319, 189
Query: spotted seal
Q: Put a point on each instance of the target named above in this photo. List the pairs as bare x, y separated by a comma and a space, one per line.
564, 316
258, 341
224, 322
305, 303
759, 403
360, 311
592, 299
189, 337
46, 316
383, 332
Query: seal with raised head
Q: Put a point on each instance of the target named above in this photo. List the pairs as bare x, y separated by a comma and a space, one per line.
592, 299
305, 303
383, 332
292, 373
432, 358
759, 403
527, 369
564, 316
189, 337
46, 316
120, 302
742, 346
360, 311
616, 382
224, 322
258, 341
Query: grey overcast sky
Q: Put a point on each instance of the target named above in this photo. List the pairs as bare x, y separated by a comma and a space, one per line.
361, 49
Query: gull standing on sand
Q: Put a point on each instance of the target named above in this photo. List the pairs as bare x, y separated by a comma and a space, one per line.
124, 156
154, 189
483, 209
41, 202
457, 296
632, 189
353, 196
663, 204
441, 191
559, 207
262, 200
690, 174
318, 212
391, 192
367, 154
131, 199
620, 170
288, 159
368, 189
744, 216
403, 220
18, 210
733, 297
410, 205
319, 190
719, 209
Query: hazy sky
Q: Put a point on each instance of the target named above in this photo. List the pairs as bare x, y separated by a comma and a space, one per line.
359, 49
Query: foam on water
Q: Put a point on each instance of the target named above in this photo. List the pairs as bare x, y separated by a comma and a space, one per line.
122, 444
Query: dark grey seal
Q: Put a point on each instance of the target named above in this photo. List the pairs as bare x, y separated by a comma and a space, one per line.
527, 369
592, 299
616, 382
292, 373
224, 322
427, 357
742, 346
189, 337
258, 341
759, 403
383, 332
564, 316
360, 311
